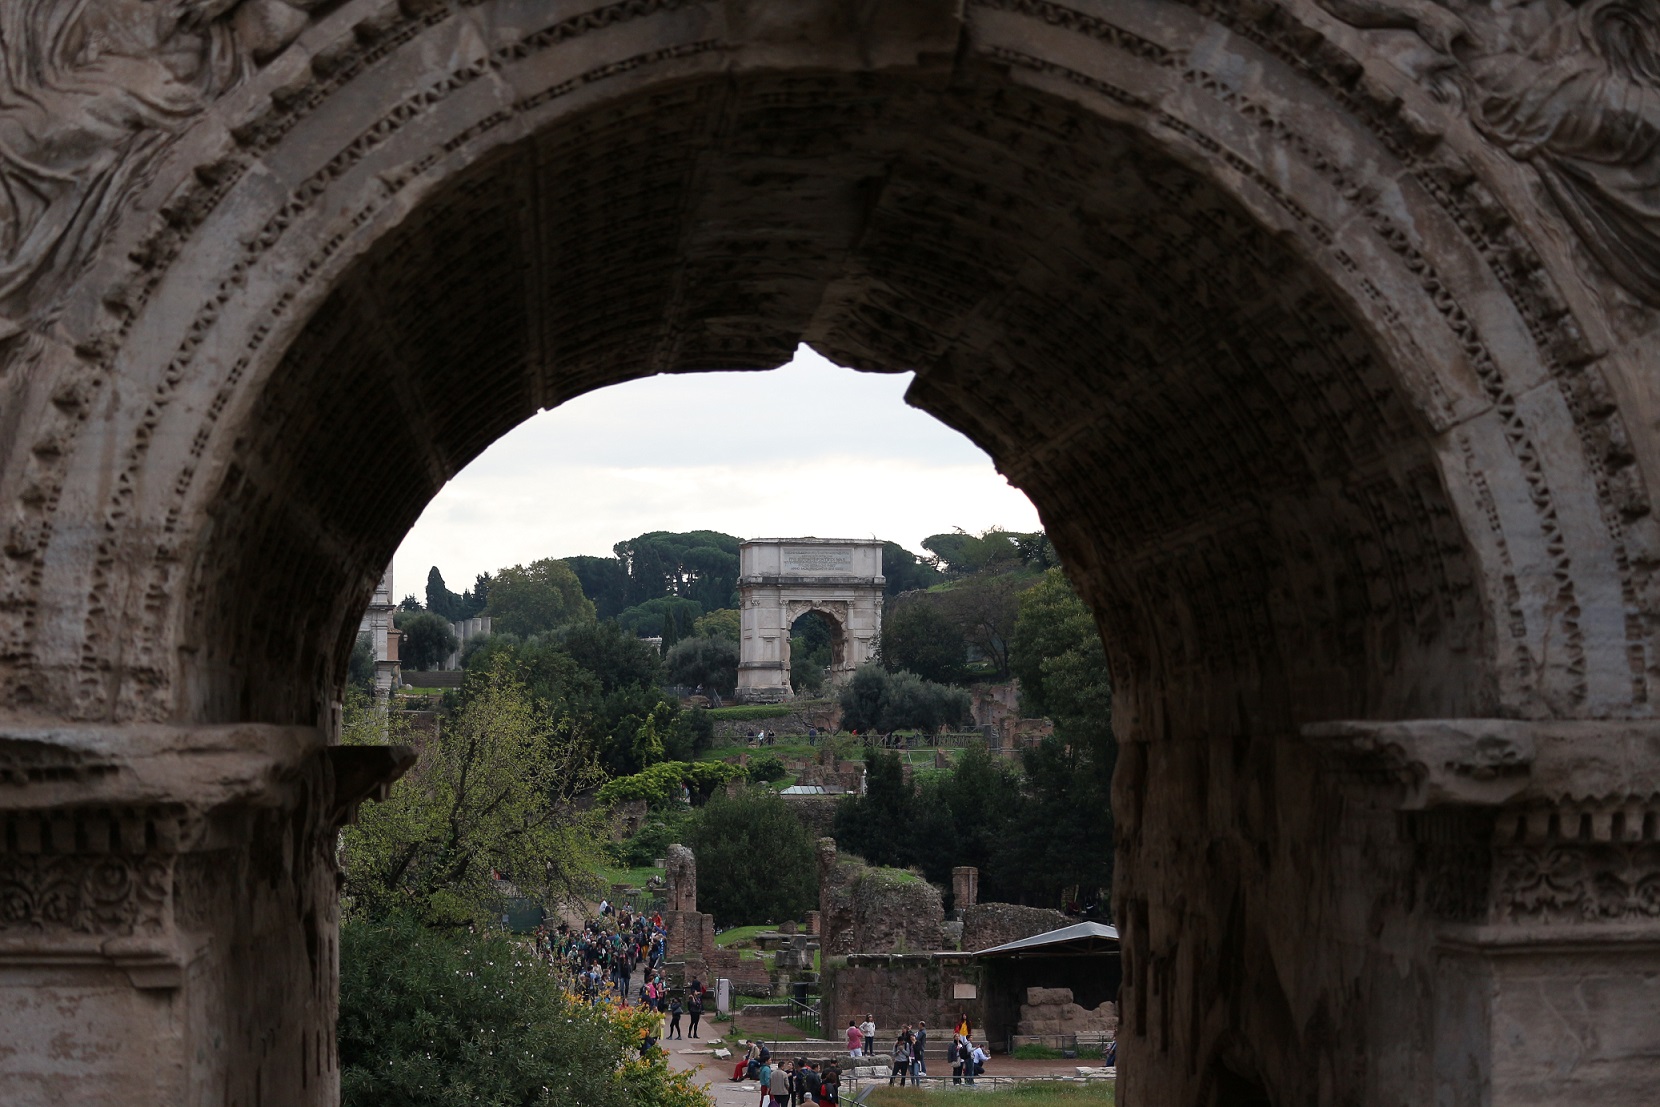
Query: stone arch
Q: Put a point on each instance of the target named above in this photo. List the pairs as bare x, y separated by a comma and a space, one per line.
836, 616
781, 579
1340, 421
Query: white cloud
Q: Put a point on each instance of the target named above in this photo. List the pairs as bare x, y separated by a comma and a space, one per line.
809, 448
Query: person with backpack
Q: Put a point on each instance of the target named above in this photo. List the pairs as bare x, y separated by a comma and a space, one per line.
830, 1083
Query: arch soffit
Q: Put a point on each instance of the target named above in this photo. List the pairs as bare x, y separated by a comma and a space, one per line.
275, 191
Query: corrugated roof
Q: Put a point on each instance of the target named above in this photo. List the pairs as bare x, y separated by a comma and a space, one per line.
1084, 937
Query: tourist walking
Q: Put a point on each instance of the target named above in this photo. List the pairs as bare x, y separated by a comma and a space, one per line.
954, 1058
694, 1008
919, 1068
779, 1086
674, 1020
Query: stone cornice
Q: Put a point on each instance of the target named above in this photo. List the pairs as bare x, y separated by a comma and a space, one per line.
203, 767
1429, 763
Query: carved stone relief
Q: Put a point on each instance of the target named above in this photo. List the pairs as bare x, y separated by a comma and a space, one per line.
1565, 882
90, 94
85, 893
1573, 89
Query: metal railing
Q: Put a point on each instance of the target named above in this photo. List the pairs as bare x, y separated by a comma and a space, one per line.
806, 1018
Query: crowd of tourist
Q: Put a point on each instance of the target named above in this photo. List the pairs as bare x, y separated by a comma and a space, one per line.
797, 1083
598, 961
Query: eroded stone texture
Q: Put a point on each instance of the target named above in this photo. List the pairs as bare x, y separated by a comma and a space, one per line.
870, 909
991, 924
1336, 392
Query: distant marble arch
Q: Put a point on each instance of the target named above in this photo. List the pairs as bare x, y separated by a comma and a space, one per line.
782, 579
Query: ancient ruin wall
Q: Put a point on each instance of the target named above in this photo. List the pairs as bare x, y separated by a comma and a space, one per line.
903, 988
866, 909
991, 924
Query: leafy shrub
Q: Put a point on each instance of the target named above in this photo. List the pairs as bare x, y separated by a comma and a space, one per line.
656, 834
878, 700
707, 661
442, 1019
661, 783
766, 768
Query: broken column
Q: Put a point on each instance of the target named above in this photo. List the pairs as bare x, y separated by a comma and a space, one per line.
965, 886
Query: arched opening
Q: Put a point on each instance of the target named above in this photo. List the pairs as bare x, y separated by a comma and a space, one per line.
1222, 446
1308, 418
818, 651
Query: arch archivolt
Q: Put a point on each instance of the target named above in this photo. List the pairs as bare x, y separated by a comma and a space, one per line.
279, 189
1332, 413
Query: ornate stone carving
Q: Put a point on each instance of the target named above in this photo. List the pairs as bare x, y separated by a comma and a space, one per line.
1578, 882
106, 894
90, 94
1573, 89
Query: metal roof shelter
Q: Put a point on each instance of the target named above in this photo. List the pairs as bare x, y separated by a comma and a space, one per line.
1077, 940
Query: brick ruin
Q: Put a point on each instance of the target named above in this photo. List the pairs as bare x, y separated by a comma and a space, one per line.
866, 909
992, 924
689, 944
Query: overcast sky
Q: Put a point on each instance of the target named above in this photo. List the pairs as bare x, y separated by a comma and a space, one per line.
808, 449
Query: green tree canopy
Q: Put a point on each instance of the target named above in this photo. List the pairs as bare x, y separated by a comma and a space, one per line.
755, 861
531, 599
918, 636
440, 600
493, 791
709, 662
660, 784
1060, 663
426, 639
604, 580
699, 565
876, 700
984, 607
670, 618
812, 648
906, 571
723, 622
617, 658
959, 552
